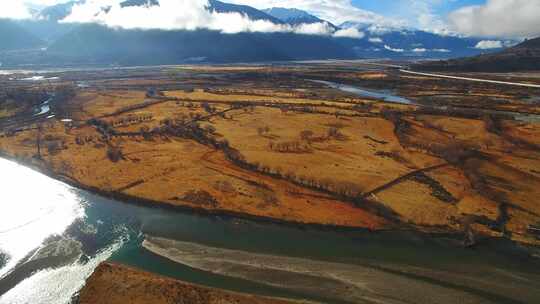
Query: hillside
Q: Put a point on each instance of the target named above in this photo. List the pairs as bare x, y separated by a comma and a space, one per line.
57, 12
251, 12
98, 44
72, 44
402, 42
295, 16
13, 37
522, 57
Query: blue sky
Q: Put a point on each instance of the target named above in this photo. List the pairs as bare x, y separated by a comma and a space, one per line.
403, 8
410, 10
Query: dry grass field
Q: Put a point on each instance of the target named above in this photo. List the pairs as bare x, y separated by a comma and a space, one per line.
286, 149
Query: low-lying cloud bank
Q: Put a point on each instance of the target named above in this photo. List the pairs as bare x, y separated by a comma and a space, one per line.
499, 18
489, 44
415, 50
14, 10
336, 11
187, 15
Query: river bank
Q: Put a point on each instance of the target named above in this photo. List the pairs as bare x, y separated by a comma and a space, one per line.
164, 205
276, 186
349, 283
115, 284
451, 238
114, 231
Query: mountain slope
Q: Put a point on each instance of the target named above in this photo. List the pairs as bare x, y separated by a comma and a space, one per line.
46, 30
252, 13
60, 11
98, 44
522, 57
295, 16
13, 37
129, 3
57, 12
416, 43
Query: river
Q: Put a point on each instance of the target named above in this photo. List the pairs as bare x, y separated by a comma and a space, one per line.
54, 236
388, 96
382, 95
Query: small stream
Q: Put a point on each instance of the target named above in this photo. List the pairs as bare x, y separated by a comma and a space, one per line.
382, 95
43, 108
390, 97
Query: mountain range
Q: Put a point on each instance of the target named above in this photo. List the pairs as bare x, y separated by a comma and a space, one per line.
13, 36
295, 16
60, 42
522, 57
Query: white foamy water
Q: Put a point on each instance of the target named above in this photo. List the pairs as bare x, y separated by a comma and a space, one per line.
33, 207
56, 286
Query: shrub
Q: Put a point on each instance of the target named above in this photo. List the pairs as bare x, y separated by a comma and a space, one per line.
114, 154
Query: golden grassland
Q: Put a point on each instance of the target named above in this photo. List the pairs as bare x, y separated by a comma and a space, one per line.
305, 158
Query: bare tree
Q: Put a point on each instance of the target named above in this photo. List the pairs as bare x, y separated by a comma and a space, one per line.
306, 135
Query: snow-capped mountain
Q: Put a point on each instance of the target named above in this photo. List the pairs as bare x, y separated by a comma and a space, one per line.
98, 43
252, 13
292, 15
56, 12
412, 42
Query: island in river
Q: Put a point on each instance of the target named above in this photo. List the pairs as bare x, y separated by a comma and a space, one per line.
268, 143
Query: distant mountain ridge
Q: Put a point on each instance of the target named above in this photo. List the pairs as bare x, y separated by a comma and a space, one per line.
91, 43
295, 16
129, 3
60, 11
57, 12
417, 43
522, 57
252, 13
13, 37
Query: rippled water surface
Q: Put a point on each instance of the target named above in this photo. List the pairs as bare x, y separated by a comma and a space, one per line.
33, 207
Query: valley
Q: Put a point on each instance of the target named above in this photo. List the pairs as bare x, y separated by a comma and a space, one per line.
292, 144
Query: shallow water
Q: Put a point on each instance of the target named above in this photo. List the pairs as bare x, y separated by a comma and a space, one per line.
39, 78
385, 96
51, 231
388, 97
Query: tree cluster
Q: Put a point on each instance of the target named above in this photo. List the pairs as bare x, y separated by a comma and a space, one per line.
132, 119
115, 154
289, 147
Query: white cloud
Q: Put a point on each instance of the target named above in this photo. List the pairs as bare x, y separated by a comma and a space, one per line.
489, 44
393, 49
426, 18
379, 29
180, 15
419, 50
442, 50
349, 33
335, 11
499, 18
320, 28
14, 10
375, 40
